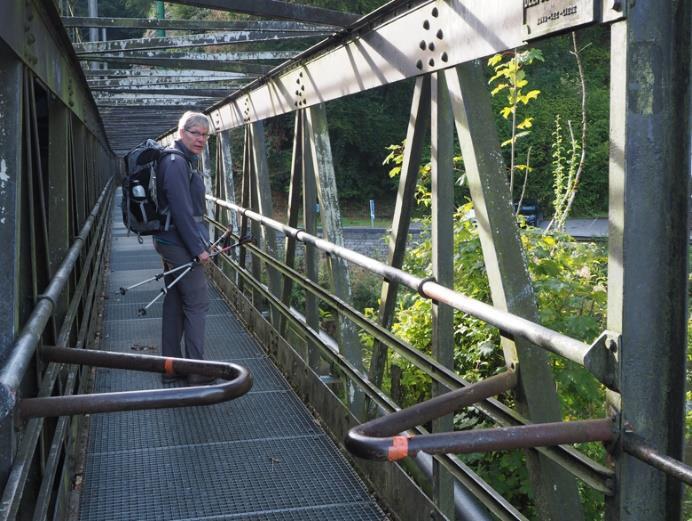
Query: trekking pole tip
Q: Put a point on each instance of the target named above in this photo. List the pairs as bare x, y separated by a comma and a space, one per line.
122, 291
141, 312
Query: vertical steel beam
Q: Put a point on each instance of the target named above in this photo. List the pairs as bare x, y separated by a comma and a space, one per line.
244, 200
441, 155
556, 491
224, 145
419, 121
58, 195
321, 155
312, 313
294, 201
263, 193
205, 169
10, 210
648, 241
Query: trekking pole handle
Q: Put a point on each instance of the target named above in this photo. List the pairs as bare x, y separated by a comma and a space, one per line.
243, 240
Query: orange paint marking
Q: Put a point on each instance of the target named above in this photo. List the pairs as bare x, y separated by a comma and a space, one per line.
168, 367
399, 448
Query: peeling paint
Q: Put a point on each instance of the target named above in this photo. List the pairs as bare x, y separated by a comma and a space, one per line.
3, 171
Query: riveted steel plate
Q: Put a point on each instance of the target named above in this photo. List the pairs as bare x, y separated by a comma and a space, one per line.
543, 17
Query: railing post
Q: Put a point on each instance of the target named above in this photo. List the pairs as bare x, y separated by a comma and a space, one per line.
262, 194
294, 200
511, 289
10, 194
419, 121
648, 244
441, 154
330, 216
312, 267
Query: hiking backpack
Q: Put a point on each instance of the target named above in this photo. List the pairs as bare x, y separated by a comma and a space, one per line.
141, 212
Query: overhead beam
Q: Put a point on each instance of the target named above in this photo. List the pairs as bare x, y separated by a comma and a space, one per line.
167, 81
48, 54
208, 65
210, 93
194, 40
429, 37
159, 73
159, 101
276, 9
198, 56
193, 25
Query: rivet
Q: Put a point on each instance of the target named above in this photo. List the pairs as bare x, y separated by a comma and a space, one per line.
426, 25
419, 64
422, 45
435, 12
431, 62
444, 57
439, 34
431, 46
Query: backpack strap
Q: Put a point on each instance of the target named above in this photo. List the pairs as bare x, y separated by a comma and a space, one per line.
174, 152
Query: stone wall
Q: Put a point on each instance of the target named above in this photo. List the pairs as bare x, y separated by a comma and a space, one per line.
368, 241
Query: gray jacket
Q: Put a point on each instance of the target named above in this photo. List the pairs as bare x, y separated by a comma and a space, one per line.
181, 190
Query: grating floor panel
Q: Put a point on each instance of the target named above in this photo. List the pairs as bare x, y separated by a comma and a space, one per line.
283, 416
212, 479
266, 377
127, 310
259, 457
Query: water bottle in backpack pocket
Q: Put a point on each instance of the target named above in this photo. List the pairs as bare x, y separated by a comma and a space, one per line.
140, 209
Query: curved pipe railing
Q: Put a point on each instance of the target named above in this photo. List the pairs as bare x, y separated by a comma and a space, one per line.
239, 382
381, 438
594, 474
28, 339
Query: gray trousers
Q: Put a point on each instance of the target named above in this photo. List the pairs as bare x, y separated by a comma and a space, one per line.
185, 305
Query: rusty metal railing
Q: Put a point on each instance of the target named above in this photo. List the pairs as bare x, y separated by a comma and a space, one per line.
239, 382
384, 438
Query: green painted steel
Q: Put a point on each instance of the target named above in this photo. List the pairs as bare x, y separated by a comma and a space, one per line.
510, 286
442, 192
648, 243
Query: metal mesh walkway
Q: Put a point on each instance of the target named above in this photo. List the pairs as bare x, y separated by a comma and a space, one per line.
259, 457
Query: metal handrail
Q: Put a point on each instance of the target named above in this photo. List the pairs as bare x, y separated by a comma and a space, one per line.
381, 438
239, 383
24, 346
636, 446
591, 472
509, 323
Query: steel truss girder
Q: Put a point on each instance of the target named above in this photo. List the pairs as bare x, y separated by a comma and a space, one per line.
156, 101
104, 92
145, 74
648, 241
180, 42
203, 65
427, 38
193, 25
197, 56
277, 9
202, 82
28, 28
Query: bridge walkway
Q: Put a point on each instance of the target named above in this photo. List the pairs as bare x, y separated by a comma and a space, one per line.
259, 457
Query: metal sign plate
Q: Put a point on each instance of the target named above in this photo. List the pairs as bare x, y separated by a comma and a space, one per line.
543, 17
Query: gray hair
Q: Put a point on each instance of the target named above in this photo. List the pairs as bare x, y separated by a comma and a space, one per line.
191, 119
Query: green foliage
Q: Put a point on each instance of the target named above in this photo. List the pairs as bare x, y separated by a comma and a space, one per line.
569, 279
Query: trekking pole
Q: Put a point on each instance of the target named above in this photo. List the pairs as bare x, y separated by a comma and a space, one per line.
143, 310
159, 276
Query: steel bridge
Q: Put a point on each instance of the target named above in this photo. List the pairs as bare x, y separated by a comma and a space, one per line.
304, 424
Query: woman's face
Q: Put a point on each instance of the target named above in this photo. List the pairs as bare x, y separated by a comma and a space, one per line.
194, 138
